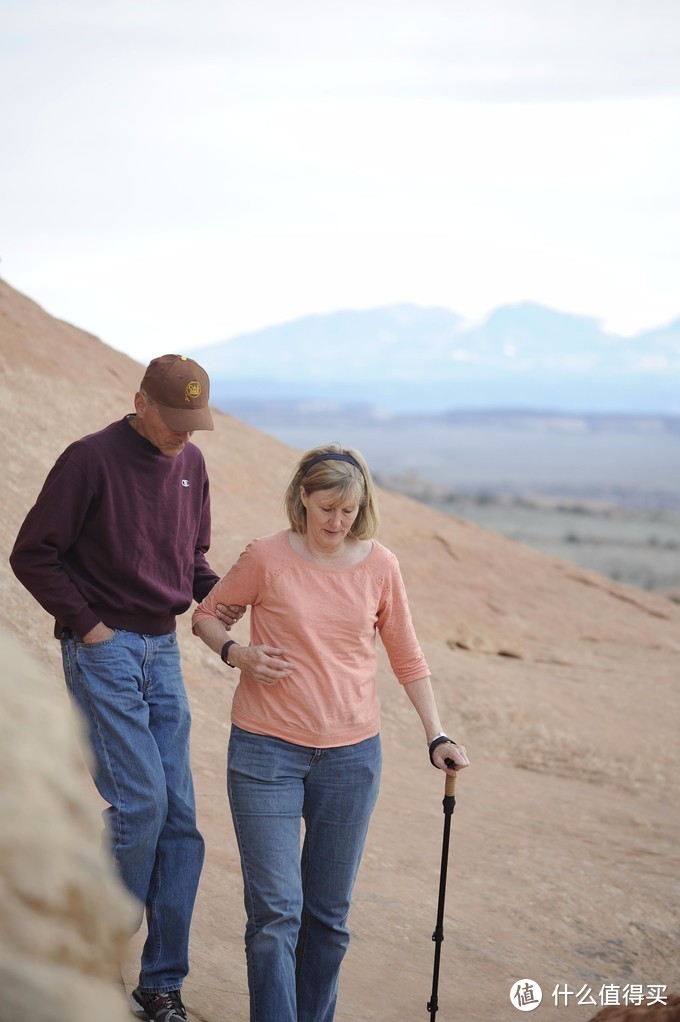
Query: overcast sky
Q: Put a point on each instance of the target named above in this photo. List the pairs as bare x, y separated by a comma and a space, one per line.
174, 173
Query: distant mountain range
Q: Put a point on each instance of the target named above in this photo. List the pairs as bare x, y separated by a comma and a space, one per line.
408, 358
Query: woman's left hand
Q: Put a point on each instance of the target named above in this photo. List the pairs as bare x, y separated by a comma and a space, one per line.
456, 753
229, 614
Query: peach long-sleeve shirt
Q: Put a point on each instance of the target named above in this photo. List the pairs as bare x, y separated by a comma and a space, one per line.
326, 620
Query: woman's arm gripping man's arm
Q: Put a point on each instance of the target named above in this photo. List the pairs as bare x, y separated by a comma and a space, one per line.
265, 664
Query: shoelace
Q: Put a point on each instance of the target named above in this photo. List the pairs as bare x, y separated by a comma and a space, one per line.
170, 1002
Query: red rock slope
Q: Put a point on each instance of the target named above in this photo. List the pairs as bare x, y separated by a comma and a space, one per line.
565, 687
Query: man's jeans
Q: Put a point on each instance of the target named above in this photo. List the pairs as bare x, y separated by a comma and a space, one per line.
297, 906
131, 690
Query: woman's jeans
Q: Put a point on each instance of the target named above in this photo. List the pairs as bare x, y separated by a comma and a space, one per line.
131, 690
297, 905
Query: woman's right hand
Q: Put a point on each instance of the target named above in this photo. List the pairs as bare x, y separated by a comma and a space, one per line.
262, 663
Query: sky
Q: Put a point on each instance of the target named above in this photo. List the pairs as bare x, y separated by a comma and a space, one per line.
175, 174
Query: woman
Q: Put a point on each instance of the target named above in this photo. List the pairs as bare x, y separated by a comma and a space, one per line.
305, 724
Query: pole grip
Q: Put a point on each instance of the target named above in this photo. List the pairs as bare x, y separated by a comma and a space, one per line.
450, 786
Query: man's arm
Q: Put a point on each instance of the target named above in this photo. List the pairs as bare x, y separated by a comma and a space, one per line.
204, 577
51, 528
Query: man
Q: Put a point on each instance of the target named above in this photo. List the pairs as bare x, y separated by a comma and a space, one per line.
114, 548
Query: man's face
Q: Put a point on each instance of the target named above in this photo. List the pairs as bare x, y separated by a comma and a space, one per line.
149, 424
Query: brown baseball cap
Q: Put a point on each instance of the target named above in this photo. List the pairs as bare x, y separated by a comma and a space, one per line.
181, 389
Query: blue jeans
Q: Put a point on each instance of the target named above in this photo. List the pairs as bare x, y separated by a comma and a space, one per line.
131, 691
297, 904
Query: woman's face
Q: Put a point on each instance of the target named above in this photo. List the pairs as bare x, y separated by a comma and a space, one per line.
330, 516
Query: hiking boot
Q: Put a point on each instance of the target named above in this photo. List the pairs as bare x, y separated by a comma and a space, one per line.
165, 1007
135, 1008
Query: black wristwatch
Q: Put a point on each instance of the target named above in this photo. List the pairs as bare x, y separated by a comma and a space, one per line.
225, 652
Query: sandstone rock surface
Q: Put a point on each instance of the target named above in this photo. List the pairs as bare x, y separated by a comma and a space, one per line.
64, 917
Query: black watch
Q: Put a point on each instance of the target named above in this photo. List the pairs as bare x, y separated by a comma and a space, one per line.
225, 651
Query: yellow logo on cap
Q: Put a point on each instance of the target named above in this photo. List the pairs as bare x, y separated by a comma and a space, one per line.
192, 390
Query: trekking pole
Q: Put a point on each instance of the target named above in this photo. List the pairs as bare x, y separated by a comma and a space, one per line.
449, 804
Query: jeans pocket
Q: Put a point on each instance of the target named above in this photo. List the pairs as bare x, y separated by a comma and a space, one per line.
97, 645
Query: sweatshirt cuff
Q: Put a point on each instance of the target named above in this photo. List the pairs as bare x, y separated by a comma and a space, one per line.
83, 622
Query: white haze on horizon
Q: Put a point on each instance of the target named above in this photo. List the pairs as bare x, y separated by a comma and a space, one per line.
173, 174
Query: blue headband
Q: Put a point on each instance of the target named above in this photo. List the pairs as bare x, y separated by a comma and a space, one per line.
332, 456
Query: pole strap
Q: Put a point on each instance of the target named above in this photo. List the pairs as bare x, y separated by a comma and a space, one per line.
439, 740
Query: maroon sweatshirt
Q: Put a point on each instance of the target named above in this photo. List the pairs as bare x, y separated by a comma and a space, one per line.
118, 534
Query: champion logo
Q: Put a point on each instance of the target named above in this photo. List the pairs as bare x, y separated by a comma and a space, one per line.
185, 482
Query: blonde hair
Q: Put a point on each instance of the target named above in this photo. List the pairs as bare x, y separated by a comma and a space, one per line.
333, 474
